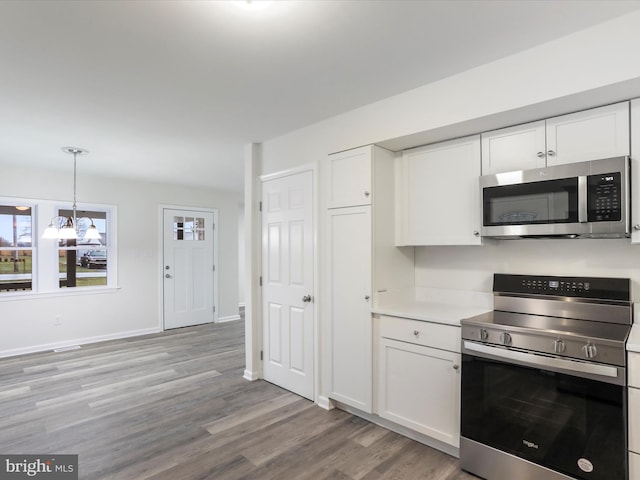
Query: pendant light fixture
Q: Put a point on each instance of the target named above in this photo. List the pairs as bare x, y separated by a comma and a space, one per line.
69, 231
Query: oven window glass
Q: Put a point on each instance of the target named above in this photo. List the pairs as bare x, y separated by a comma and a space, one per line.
565, 423
552, 201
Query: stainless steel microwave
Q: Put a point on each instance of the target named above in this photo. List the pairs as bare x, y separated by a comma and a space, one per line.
586, 199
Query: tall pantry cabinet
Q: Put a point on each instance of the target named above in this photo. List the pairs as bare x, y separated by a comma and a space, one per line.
361, 263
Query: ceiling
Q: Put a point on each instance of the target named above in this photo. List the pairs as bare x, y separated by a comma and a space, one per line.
171, 91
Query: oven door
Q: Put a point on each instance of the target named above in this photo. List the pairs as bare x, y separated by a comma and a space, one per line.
558, 419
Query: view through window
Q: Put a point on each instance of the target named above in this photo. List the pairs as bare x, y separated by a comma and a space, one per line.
16, 248
84, 263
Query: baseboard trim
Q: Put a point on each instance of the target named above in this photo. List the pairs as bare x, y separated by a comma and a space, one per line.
407, 432
77, 341
249, 375
229, 318
325, 403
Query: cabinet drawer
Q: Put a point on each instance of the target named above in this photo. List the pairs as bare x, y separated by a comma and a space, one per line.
634, 369
634, 420
436, 335
634, 466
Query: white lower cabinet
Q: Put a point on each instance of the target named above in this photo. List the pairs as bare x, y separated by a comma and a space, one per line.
419, 386
634, 466
633, 409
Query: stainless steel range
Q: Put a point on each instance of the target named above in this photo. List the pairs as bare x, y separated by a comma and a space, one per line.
543, 380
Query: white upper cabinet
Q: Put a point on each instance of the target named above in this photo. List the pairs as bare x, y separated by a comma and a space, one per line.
515, 148
349, 178
635, 171
577, 137
597, 133
437, 194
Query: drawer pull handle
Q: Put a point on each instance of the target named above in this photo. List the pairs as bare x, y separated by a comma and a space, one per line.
416, 333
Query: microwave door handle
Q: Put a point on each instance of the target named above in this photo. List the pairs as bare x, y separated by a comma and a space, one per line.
583, 211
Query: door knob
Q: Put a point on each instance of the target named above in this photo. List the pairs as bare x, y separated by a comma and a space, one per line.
306, 298
167, 276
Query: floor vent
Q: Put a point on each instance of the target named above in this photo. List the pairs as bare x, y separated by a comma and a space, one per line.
66, 349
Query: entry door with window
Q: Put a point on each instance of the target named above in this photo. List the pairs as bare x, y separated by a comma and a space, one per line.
188, 268
287, 271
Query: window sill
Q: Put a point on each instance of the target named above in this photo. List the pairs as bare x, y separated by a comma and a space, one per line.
65, 292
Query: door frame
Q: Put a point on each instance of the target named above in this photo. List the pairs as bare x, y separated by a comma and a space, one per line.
258, 331
161, 209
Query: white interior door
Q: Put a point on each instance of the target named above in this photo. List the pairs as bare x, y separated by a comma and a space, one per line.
188, 268
287, 272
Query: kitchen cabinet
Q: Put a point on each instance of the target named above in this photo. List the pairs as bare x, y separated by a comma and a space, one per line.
349, 178
635, 171
601, 132
634, 420
350, 306
438, 194
509, 149
361, 263
634, 414
419, 385
634, 466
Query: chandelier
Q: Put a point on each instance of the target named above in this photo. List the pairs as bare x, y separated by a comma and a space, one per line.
67, 228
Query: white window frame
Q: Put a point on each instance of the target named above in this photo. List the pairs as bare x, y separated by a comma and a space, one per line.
18, 202
45, 269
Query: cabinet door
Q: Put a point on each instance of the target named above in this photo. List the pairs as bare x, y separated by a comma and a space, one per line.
515, 148
349, 178
439, 194
419, 388
588, 135
634, 420
634, 466
349, 287
635, 170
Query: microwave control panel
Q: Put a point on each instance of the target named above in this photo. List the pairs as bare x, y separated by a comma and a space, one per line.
605, 198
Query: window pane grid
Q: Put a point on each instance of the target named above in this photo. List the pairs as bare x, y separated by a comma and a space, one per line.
188, 228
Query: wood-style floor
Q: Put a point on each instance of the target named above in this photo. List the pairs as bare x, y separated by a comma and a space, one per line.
174, 406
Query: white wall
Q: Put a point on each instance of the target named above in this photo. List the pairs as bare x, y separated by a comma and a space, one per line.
27, 324
471, 268
241, 253
587, 69
593, 61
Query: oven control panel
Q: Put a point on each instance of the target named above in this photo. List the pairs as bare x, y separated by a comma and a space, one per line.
583, 287
571, 346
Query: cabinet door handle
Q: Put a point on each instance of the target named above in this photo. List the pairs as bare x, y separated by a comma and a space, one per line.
540, 154
456, 367
367, 297
476, 233
636, 226
551, 153
366, 194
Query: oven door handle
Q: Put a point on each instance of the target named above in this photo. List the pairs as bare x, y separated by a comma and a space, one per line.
607, 373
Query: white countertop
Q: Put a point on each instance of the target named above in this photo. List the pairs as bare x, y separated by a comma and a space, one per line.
435, 305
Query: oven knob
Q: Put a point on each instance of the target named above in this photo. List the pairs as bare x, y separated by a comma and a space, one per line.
505, 338
559, 346
484, 335
590, 351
